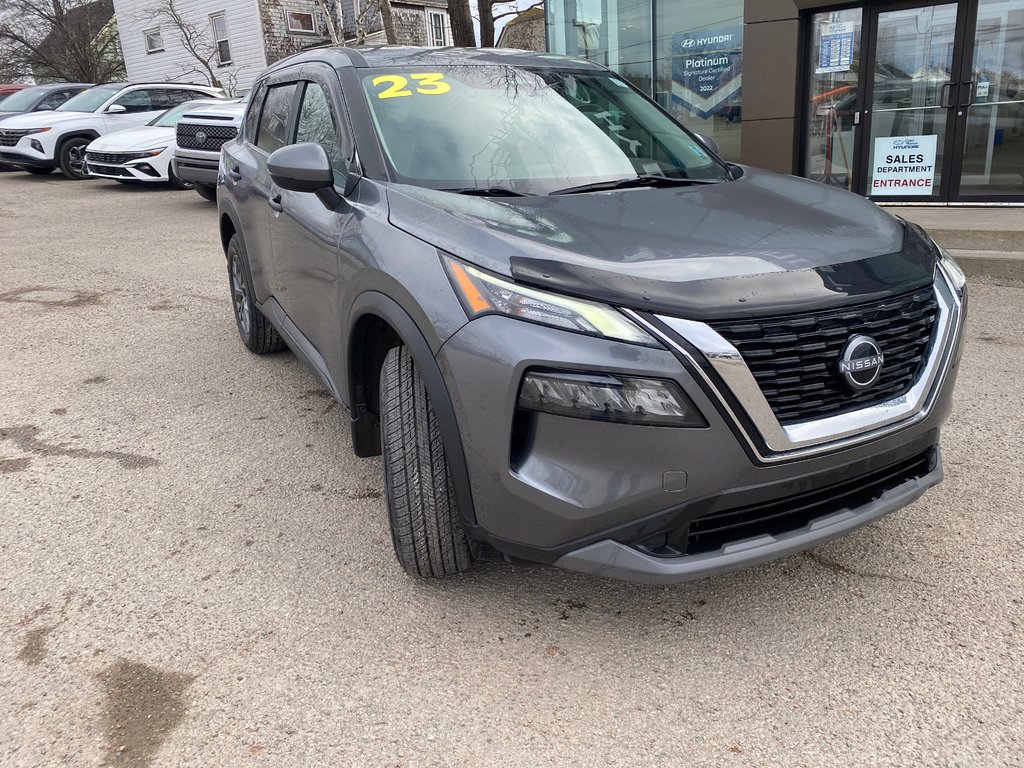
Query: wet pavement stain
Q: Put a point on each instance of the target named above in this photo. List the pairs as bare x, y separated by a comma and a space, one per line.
33, 651
143, 706
26, 439
7, 466
51, 297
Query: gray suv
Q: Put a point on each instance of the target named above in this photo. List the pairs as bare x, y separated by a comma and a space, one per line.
576, 335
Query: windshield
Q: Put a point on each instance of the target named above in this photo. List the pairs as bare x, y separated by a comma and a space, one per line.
169, 119
532, 131
21, 101
89, 100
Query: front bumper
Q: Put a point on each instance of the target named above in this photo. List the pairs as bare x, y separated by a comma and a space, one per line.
22, 160
198, 170
144, 170
621, 499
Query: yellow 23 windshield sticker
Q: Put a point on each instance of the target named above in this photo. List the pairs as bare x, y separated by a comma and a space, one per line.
427, 83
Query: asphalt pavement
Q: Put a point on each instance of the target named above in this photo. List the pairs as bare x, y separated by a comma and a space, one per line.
195, 570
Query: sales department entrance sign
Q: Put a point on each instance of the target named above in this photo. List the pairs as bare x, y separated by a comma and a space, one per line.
903, 165
707, 68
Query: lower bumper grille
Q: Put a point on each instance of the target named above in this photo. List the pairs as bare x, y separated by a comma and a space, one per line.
711, 532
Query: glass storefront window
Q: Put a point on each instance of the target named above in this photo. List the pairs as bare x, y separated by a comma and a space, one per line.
699, 67
615, 33
834, 62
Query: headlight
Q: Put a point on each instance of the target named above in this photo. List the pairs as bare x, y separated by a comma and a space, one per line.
483, 293
952, 269
149, 152
622, 399
30, 131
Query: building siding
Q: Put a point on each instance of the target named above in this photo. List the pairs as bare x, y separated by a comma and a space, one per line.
245, 35
278, 41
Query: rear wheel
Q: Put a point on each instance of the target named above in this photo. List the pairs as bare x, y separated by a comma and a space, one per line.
426, 525
71, 156
39, 171
207, 192
256, 332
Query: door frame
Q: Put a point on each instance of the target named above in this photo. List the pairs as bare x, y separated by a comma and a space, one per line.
956, 116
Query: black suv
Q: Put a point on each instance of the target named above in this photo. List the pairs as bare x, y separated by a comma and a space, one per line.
575, 333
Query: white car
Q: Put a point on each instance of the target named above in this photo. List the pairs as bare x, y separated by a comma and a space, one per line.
140, 154
42, 141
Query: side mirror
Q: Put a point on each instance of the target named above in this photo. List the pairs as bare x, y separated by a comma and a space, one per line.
306, 168
708, 142
116, 109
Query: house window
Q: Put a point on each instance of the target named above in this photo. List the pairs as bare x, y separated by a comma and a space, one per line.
301, 22
154, 40
220, 37
436, 29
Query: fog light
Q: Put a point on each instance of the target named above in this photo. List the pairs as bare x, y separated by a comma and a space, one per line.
622, 399
36, 145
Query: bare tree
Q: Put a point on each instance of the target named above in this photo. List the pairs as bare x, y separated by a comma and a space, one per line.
368, 12
462, 23
332, 12
69, 40
486, 11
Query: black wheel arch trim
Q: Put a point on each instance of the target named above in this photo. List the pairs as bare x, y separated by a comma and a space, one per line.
386, 308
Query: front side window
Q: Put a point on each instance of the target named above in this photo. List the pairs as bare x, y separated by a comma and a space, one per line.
316, 124
273, 127
532, 130
301, 22
219, 27
154, 40
140, 100
90, 100
55, 99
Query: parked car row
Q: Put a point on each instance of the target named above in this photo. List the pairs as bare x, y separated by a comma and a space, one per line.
124, 132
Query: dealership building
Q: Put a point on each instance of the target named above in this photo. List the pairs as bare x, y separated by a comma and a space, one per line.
903, 101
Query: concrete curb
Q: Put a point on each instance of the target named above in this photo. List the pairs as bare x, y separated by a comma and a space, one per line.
977, 263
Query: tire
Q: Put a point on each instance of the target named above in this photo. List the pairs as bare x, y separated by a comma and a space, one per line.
176, 183
426, 525
256, 332
71, 156
206, 192
39, 171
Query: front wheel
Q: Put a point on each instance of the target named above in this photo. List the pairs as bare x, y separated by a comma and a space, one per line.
256, 332
71, 157
426, 524
207, 192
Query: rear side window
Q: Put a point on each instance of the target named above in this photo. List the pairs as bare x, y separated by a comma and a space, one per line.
273, 127
317, 124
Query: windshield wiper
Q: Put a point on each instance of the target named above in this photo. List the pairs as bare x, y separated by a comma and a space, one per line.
487, 192
643, 180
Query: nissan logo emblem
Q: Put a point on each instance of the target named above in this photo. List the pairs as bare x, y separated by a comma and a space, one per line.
200, 137
860, 364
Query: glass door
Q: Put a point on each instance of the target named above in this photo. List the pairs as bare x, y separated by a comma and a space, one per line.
913, 91
992, 159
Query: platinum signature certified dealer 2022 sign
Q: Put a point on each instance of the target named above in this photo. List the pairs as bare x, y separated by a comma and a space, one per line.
707, 68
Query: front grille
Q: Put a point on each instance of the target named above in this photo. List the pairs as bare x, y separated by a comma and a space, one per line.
795, 358
105, 170
11, 136
711, 532
214, 136
107, 158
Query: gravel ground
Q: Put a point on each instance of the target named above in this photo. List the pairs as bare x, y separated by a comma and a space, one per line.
196, 571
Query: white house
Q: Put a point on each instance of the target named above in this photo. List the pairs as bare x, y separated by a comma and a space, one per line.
240, 38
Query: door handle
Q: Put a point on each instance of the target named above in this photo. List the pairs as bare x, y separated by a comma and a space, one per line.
235, 174
970, 99
275, 203
944, 95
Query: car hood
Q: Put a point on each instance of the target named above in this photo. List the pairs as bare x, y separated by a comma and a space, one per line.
134, 139
40, 119
765, 243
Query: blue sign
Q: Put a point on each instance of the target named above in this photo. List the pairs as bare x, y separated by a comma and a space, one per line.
707, 68
835, 48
